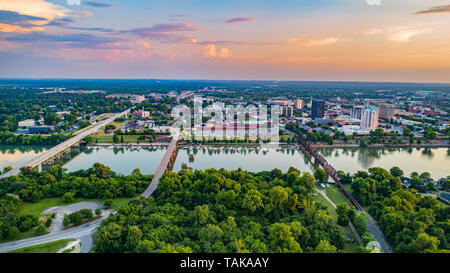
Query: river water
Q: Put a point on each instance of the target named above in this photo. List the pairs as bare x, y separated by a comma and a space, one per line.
125, 160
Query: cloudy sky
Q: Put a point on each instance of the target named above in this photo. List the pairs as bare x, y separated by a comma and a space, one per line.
399, 40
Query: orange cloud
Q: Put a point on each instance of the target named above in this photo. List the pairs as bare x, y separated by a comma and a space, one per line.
211, 52
14, 28
38, 8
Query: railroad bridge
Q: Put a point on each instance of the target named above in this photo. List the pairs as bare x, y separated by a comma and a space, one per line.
330, 170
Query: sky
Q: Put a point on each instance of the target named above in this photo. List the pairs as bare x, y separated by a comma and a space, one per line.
335, 40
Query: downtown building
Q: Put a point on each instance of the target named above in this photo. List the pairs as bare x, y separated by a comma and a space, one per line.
299, 104
369, 117
387, 111
287, 111
318, 109
357, 112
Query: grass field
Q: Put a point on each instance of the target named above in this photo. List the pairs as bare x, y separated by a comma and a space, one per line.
331, 210
104, 138
336, 195
37, 208
51, 247
442, 203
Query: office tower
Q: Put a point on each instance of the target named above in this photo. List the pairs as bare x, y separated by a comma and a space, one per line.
369, 118
356, 112
318, 109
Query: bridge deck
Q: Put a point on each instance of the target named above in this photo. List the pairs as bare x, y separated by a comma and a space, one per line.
161, 167
62, 146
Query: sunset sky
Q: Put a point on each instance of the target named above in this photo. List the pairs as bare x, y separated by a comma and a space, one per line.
398, 40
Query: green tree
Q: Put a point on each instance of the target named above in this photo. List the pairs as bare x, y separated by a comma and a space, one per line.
98, 211
325, 247
320, 175
66, 221
396, 171
134, 236
68, 197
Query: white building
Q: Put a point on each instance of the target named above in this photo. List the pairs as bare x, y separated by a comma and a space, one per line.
26, 123
369, 117
137, 99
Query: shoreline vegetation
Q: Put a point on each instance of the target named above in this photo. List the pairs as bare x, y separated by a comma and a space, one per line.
317, 145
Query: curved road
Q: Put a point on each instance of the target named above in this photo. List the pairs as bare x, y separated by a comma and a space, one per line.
83, 233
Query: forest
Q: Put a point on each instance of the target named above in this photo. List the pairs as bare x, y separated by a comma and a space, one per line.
411, 222
220, 211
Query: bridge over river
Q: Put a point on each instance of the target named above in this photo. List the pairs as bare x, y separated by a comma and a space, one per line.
64, 146
372, 226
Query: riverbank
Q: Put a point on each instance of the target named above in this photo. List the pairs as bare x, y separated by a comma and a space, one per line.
381, 145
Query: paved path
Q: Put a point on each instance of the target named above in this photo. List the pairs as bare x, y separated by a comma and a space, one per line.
350, 224
83, 233
62, 146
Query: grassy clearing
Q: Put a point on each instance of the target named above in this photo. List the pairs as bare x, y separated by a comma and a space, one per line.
442, 203
336, 195
38, 208
105, 138
331, 210
51, 247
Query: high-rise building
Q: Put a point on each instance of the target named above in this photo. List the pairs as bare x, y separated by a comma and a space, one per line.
356, 112
318, 109
369, 117
299, 104
287, 111
387, 111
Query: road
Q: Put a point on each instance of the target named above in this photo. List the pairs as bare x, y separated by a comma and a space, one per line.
83, 233
161, 167
62, 146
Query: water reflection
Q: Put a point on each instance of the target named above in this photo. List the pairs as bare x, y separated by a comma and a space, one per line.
251, 159
433, 160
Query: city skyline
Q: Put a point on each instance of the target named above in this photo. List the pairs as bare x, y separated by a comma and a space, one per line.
345, 40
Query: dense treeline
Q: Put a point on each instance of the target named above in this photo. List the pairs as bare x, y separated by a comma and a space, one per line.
11, 223
224, 211
8, 138
96, 182
411, 222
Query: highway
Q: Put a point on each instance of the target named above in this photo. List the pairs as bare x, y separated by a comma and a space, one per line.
161, 167
64, 145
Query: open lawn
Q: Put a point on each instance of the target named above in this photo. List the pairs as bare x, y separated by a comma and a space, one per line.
37, 208
331, 210
336, 195
108, 138
51, 247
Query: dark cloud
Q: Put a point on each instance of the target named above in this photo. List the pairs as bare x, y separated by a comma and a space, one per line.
97, 4
166, 28
14, 18
75, 40
164, 32
438, 9
63, 22
239, 20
